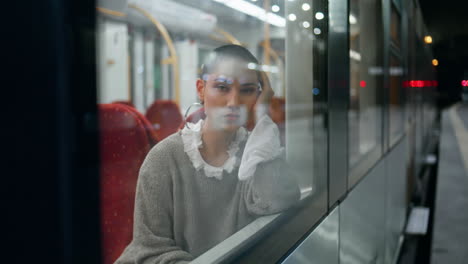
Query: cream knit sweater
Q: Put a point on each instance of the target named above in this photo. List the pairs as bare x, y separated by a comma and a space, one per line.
180, 213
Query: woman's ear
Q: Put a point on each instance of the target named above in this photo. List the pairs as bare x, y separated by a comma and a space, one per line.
201, 90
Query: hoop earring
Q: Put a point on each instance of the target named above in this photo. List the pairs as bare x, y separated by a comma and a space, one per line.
187, 111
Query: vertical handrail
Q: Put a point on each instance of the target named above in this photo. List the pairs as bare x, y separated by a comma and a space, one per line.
173, 59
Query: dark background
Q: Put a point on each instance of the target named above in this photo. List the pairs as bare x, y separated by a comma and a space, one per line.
447, 23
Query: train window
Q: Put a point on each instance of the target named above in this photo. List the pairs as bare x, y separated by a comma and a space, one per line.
396, 105
365, 122
207, 124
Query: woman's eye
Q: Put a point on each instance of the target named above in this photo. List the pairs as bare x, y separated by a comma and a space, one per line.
222, 87
247, 91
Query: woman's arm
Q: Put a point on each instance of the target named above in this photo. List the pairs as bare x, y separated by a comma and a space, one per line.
270, 185
153, 239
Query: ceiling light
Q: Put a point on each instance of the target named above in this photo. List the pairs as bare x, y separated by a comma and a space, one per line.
352, 19
319, 15
292, 17
275, 8
255, 11
305, 6
317, 31
306, 24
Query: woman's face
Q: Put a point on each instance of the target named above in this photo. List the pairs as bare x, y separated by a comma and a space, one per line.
229, 94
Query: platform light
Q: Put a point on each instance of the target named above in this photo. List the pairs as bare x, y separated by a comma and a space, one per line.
306, 24
305, 7
319, 15
435, 62
317, 31
255, 11
292, 17
428, 39
275, 8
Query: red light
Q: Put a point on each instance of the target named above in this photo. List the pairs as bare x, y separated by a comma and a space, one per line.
464, 83
362, 84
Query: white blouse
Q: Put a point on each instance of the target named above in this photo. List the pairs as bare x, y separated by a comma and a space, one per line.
263, 144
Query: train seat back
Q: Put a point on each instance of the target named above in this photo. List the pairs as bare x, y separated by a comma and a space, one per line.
194, 117
125, 139
165, 117
278, 115
129, 103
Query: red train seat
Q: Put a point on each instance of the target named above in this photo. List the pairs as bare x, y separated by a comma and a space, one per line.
194, 117
165, 117
124, 102
277, 111
278, 115
125, 139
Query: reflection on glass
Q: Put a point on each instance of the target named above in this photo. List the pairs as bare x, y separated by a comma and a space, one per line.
243, 150
396, 112
365, 79
395, 27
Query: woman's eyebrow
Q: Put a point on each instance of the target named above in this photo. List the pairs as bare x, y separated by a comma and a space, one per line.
249, 84
224, 80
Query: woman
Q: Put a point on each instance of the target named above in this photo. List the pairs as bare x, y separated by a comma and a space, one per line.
202, 184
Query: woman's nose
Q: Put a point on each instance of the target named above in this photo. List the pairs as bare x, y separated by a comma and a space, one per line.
233, 98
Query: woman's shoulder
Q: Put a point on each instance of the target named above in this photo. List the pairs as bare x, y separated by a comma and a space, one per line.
165, 151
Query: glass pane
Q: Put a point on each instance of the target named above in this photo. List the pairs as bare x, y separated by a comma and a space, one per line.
396, 107
395, 27
365, 79
206, 123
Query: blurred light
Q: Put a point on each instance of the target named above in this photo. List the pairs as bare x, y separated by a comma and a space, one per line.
305, 7
252, 66
306, 24
354, 55
396, 71
316, 91
352, 19
435, 62
254, 0
266, 68
464, 83
428, 39
255, 11
319, 15
420, 83
275, 8
292, 17
317, 31
362, 83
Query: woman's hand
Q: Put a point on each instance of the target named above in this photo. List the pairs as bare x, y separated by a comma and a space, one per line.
267, 93
262, 105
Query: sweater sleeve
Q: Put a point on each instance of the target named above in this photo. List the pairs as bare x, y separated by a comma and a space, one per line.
153, 239
272, 188
270, 185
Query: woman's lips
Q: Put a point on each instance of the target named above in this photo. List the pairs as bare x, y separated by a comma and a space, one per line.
232, 116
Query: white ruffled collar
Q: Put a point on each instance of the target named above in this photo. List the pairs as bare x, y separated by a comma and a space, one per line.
193, 142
